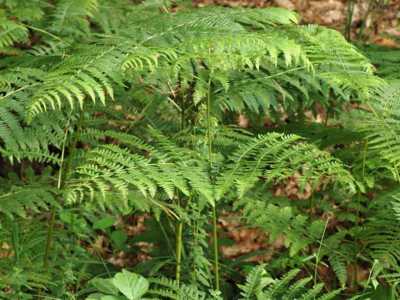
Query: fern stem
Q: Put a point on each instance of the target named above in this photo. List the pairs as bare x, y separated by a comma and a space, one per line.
179, 226
319, 252
18, 90
46, 32
179, 230
214, 210
166, 237
215, 241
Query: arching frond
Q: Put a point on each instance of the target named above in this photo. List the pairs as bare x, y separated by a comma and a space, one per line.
71, 17
111, 169
276, 157
88, 75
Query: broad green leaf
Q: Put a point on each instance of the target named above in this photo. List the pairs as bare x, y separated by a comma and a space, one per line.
133, 286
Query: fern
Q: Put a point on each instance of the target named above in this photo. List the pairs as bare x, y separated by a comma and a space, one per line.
34, 194
277, 157
260, 286
73, 79
133, 107
380, 127
255, 283
11, 32
299, 232
381, 233
386, 60
241, 48
110, 166
71, 17
338, 264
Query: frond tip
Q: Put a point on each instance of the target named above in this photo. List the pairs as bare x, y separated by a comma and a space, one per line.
11, 32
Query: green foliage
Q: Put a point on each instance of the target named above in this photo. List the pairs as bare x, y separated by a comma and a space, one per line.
385, 59
110, 110
259, 285
133, 287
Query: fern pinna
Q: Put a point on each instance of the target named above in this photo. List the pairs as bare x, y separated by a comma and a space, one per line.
107, 107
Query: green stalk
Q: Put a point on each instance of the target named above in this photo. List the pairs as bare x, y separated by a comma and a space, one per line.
50, 229
179, 226
214, 210
317, 257
216, 252
179, 230
166, 237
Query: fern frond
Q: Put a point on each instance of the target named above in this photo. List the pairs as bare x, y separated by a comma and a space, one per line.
169, 289
381, 233
276, 157
255, 283
381, 128
328, 48
259, 285
20, 140
77, 78
147, 58
20, 200
339, 264
70, 17
111, 169
298, 229
11, 32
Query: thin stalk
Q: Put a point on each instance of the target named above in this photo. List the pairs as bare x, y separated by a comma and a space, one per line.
50, 229
350, 12
214, 210
46, 32
179, 230
364, 21
317, 258
215, 242
179, 226
164, 232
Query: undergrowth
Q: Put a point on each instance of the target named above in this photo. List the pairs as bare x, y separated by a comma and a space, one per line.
111, 111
